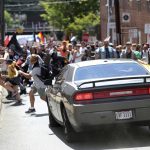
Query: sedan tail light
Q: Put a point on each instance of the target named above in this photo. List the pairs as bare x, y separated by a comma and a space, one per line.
83, 96
111, 93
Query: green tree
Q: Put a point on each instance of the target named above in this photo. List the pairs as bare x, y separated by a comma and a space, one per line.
85, 22
71, 16
8, 19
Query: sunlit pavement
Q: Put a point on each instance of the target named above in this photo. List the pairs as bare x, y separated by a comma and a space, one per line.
20, 131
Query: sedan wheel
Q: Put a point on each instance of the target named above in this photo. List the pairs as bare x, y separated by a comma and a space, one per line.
149, 127
68, 130
52, 121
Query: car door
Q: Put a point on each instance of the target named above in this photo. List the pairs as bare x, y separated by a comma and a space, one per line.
57, 90
51, 95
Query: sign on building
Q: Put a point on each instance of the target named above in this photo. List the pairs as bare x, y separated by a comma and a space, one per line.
85, 37
148, 38
147, 29
133, 33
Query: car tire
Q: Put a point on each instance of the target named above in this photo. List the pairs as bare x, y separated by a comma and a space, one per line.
149, 127
52, 121
68, 130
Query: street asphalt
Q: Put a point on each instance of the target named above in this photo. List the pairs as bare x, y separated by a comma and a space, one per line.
20, 131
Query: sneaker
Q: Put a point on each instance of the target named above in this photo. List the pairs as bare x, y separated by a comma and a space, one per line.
9, 97
30, 111
19, 102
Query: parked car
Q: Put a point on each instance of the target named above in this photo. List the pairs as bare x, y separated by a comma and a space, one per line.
88, 94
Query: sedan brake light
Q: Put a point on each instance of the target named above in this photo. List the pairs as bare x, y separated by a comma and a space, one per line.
111, 93
83, 96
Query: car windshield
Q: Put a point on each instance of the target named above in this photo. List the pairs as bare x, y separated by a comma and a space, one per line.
109, 70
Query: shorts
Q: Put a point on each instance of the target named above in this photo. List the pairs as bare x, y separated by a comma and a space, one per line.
41, 91
14, 81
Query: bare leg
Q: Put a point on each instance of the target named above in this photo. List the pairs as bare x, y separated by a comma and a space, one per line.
8, 86
18, 95
2, 82
32, 98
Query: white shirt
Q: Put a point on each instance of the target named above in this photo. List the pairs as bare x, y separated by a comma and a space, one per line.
145, 56
82, 50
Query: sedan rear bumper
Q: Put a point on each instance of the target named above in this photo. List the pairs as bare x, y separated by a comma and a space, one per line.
94, 115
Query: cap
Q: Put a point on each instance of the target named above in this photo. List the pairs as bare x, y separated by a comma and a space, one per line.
78, 45
64, 41
111, 44
134, 44
128, 43
107, 39
88, 46
9, 61
70, 44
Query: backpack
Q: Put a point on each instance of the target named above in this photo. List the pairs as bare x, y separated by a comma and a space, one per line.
46, 74
57, 63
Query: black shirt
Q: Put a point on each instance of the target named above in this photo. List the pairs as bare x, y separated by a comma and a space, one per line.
128, 55
107, 52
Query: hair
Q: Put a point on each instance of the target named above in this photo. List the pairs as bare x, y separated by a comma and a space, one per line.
12, 71
34, 58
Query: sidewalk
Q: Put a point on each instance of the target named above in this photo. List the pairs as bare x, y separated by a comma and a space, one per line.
3, 94
21, 131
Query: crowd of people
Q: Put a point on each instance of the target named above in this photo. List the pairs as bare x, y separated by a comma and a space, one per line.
21, 70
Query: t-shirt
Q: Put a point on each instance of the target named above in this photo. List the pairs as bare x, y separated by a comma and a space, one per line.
128, 55
138, 54
37, 82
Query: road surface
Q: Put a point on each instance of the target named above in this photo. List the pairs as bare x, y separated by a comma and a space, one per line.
20, 131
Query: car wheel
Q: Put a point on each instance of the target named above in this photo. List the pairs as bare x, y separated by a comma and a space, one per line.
149, 127
52, 121
68, 130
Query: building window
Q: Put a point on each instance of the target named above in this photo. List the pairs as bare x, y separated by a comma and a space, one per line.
111, 3
139, 5
148, 5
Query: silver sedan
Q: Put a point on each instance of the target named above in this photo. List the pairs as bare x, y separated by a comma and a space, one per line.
88, 94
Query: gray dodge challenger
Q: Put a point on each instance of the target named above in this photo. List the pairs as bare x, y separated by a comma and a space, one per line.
88, 94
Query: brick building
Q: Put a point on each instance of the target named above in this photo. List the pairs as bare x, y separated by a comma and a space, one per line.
134, 18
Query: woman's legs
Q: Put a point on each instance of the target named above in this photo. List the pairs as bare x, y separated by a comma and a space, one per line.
7, 85
15, 87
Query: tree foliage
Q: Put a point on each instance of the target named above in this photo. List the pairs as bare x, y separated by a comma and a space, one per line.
84, 22
8, 18
71, 16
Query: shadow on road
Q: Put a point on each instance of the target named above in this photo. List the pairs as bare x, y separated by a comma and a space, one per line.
7, 102
113, 138
17, 104
41, 115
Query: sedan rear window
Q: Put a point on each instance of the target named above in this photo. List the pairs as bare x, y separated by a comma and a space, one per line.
109, 70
